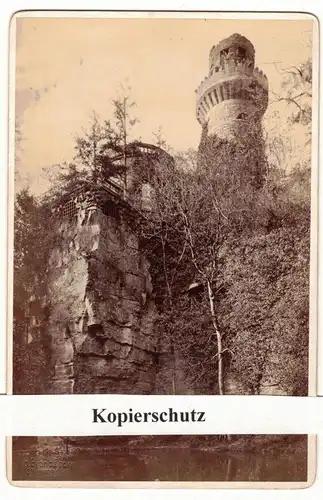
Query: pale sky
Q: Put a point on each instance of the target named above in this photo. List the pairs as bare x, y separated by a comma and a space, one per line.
65, 68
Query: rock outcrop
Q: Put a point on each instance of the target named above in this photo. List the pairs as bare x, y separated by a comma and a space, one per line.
101, 319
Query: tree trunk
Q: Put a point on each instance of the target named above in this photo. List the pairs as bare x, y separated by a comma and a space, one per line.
170, 305
125, 147
218, 338
174, 374
219, 346
95, 172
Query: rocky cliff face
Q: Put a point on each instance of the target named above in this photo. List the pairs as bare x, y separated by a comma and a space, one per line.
102, 311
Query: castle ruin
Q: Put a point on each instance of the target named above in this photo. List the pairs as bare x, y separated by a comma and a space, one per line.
101, 319
232, 99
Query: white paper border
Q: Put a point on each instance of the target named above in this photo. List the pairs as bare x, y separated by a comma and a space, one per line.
15, 493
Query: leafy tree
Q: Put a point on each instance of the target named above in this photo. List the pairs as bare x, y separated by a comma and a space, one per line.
102, 151
96, 149
187, 222
32, 244
124, 122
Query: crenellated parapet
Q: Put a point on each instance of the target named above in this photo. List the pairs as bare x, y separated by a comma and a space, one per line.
261, 78
232, 77
235, 47
237, 82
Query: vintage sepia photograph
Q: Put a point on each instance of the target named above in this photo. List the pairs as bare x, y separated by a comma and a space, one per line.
164, 225
164, 461
162, 206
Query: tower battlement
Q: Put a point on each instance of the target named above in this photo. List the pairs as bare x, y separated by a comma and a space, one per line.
234, 95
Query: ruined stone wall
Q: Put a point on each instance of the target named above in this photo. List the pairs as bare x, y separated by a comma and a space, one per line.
102, 311
233, 119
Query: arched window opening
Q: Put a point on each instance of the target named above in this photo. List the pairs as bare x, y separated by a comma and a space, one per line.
241, 53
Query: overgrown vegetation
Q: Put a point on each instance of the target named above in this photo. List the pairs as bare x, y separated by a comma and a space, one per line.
228, 236
33, 239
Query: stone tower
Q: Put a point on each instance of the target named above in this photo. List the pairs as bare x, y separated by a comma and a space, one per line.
230, 104
231, 100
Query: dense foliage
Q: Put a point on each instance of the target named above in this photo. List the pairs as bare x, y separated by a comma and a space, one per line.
252, 251
228, 237
233, 240
33, 239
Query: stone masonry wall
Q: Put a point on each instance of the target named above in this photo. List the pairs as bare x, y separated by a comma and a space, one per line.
102, 311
